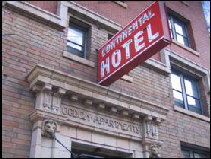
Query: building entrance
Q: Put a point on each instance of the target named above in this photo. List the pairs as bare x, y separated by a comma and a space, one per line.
88, 151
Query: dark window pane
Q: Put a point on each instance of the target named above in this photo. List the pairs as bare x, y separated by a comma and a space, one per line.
191, 88
186, 41
75, 51
175, 81
200, 155
186, 154
194, 109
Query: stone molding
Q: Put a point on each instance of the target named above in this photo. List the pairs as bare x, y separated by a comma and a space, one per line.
37, 13
49, 86
124, 5
127, 78
78, 59
89, 13
186, 48
41, 75
185, 111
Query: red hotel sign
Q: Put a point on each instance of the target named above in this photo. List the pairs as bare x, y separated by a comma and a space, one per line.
143, 37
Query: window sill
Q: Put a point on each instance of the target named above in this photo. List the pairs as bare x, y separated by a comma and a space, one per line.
185, 47
78, 59
127, 78
185, 3
185, 111
124, 5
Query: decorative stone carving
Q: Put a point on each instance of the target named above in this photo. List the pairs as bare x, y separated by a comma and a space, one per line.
154, 151
48, 126
47, 101
56, 102
151, 129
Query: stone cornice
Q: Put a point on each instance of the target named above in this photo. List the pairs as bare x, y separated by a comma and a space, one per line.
41, 75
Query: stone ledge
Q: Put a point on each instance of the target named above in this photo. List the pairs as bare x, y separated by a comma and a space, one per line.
36, 13
122, 4
93, 15
41, 74
127, 78
193, 114
78, 59
158, 66
185, 47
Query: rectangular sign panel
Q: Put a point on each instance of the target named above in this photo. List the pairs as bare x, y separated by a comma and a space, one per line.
143, 37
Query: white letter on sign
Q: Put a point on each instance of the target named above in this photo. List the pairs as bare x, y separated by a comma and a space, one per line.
127, 48
118, 53
103, 66
137, 41
150, 36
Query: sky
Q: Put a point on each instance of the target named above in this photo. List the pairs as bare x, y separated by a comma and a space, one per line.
206, 7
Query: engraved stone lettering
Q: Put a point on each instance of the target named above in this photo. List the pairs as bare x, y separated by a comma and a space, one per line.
101, 121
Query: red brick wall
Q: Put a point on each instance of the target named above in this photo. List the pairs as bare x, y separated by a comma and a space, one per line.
50, 6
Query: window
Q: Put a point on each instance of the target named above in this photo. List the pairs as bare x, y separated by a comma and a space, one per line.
76, 38
193, 154
178, 30
194, 151
185, 91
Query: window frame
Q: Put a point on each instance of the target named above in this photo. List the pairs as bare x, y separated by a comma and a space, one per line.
173, 20
184, 75
84, 28
193, 149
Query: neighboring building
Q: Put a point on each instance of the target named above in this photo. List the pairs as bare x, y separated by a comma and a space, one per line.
49, 83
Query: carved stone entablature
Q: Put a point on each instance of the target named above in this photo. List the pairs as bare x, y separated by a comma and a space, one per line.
44, 81
48, 126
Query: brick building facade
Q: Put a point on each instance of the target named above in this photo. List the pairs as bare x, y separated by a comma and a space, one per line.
49, 83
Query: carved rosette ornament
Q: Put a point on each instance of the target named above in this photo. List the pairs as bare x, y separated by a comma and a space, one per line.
48, 126
155, 151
